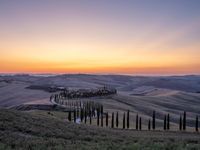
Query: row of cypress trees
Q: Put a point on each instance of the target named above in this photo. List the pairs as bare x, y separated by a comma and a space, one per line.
126, 119
89, 109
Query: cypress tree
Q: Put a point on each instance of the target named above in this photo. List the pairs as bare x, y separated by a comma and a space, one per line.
77, 113
90, 117
117, 120
154, 120
101, 109
136, 122
149, 124
140, 125
124, 121
69, 116
165, 125
81, 114
87, 106
97, 117
180, 123
197, 124
168, 122
127, 119
93, 111
106, 119
85, 115
101, 120
112, 122
74, 115
184, 121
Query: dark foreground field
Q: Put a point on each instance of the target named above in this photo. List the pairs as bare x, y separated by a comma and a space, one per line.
23, 130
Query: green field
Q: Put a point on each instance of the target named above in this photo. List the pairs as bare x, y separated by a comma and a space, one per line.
40, 130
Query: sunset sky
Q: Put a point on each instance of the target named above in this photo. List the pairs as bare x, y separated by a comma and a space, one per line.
100, 36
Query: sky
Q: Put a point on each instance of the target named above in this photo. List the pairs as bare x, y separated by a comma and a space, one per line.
100, 36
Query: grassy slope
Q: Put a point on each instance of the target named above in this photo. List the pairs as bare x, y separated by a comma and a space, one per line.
22, 130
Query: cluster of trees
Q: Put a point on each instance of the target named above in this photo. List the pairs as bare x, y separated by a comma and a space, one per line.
86, 110
84, 93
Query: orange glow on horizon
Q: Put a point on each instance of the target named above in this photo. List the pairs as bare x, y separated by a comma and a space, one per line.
101, 60
39, 67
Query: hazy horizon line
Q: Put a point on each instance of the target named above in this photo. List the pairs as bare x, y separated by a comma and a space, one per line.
123, 74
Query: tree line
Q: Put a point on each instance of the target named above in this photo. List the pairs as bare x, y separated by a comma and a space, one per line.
90, 110
102, 118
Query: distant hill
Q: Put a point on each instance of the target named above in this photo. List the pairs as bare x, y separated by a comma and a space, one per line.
121, 82
18, 89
